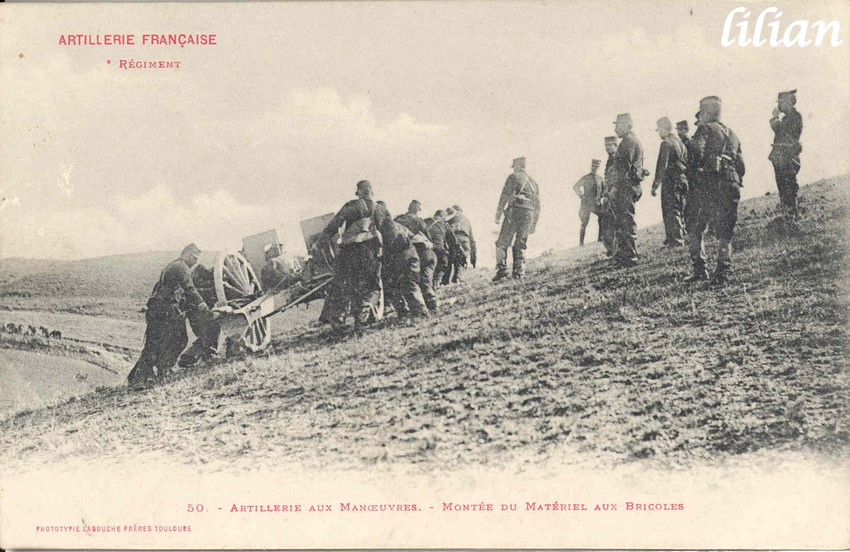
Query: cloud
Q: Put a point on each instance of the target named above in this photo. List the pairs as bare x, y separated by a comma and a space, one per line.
153, 220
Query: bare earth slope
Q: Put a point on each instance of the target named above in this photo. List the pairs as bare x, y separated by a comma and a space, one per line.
578, 363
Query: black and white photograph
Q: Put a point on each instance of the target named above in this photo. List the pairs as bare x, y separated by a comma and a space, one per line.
469, 274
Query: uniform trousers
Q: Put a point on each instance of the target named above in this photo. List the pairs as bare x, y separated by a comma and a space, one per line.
672, 210
165, 339
712, 200
357, 284
515, 231
402, 281
624, 212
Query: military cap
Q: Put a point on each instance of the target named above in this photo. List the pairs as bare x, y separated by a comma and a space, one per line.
710, 104
624, 118
596, 162
450, 211
664, 123
519, 162
191, 249
790, 94
610, 139
414, 206
364, 187
457, 208
439, 214
682, 126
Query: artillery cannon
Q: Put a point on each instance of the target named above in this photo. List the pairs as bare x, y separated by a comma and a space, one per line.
243, 304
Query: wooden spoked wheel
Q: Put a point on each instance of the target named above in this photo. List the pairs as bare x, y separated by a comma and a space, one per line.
237, 284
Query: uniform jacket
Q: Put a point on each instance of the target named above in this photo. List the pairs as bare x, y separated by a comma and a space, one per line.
413, 223
274, 272
461, 226
363, 219
672, 162
786, 140
589, 187
609, 176
788, 129
627, 169
441, 235
176, 286
519, 192
717, 152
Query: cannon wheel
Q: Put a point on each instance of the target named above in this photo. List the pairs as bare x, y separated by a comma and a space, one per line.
235, 279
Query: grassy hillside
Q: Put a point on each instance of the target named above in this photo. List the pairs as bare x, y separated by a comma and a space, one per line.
16, 268
115, 286
578, 362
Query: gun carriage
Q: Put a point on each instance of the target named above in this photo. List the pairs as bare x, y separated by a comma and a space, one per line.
243, 304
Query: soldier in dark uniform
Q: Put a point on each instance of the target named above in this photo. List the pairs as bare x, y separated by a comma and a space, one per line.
627, 173
607, 220
203, 322
787, 125
715, 192
444, 241
276, 272
682, 131
425, 249
589, 190
400, 269
165, 336
357, 274
670, 176
466, 251
520, 203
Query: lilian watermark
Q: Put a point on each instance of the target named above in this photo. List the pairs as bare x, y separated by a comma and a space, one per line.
800, 33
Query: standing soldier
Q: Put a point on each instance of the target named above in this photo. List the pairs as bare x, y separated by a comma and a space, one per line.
466, 252
682, 130
716, 190
357, 275
520, 203
165, 335
425, 249
607, 220
589, 190
787, 125
670, 176
627, 173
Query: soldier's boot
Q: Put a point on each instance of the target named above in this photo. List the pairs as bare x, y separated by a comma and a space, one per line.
519, 269
581, 235
723, 272
699, 274
519, 264
501, 264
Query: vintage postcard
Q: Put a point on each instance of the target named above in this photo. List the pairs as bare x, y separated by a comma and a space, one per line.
424, 275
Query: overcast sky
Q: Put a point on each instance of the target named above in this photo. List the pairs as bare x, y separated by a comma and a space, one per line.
299, 101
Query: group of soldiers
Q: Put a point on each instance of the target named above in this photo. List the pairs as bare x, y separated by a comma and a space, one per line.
402, 259
406, 258
700, 178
